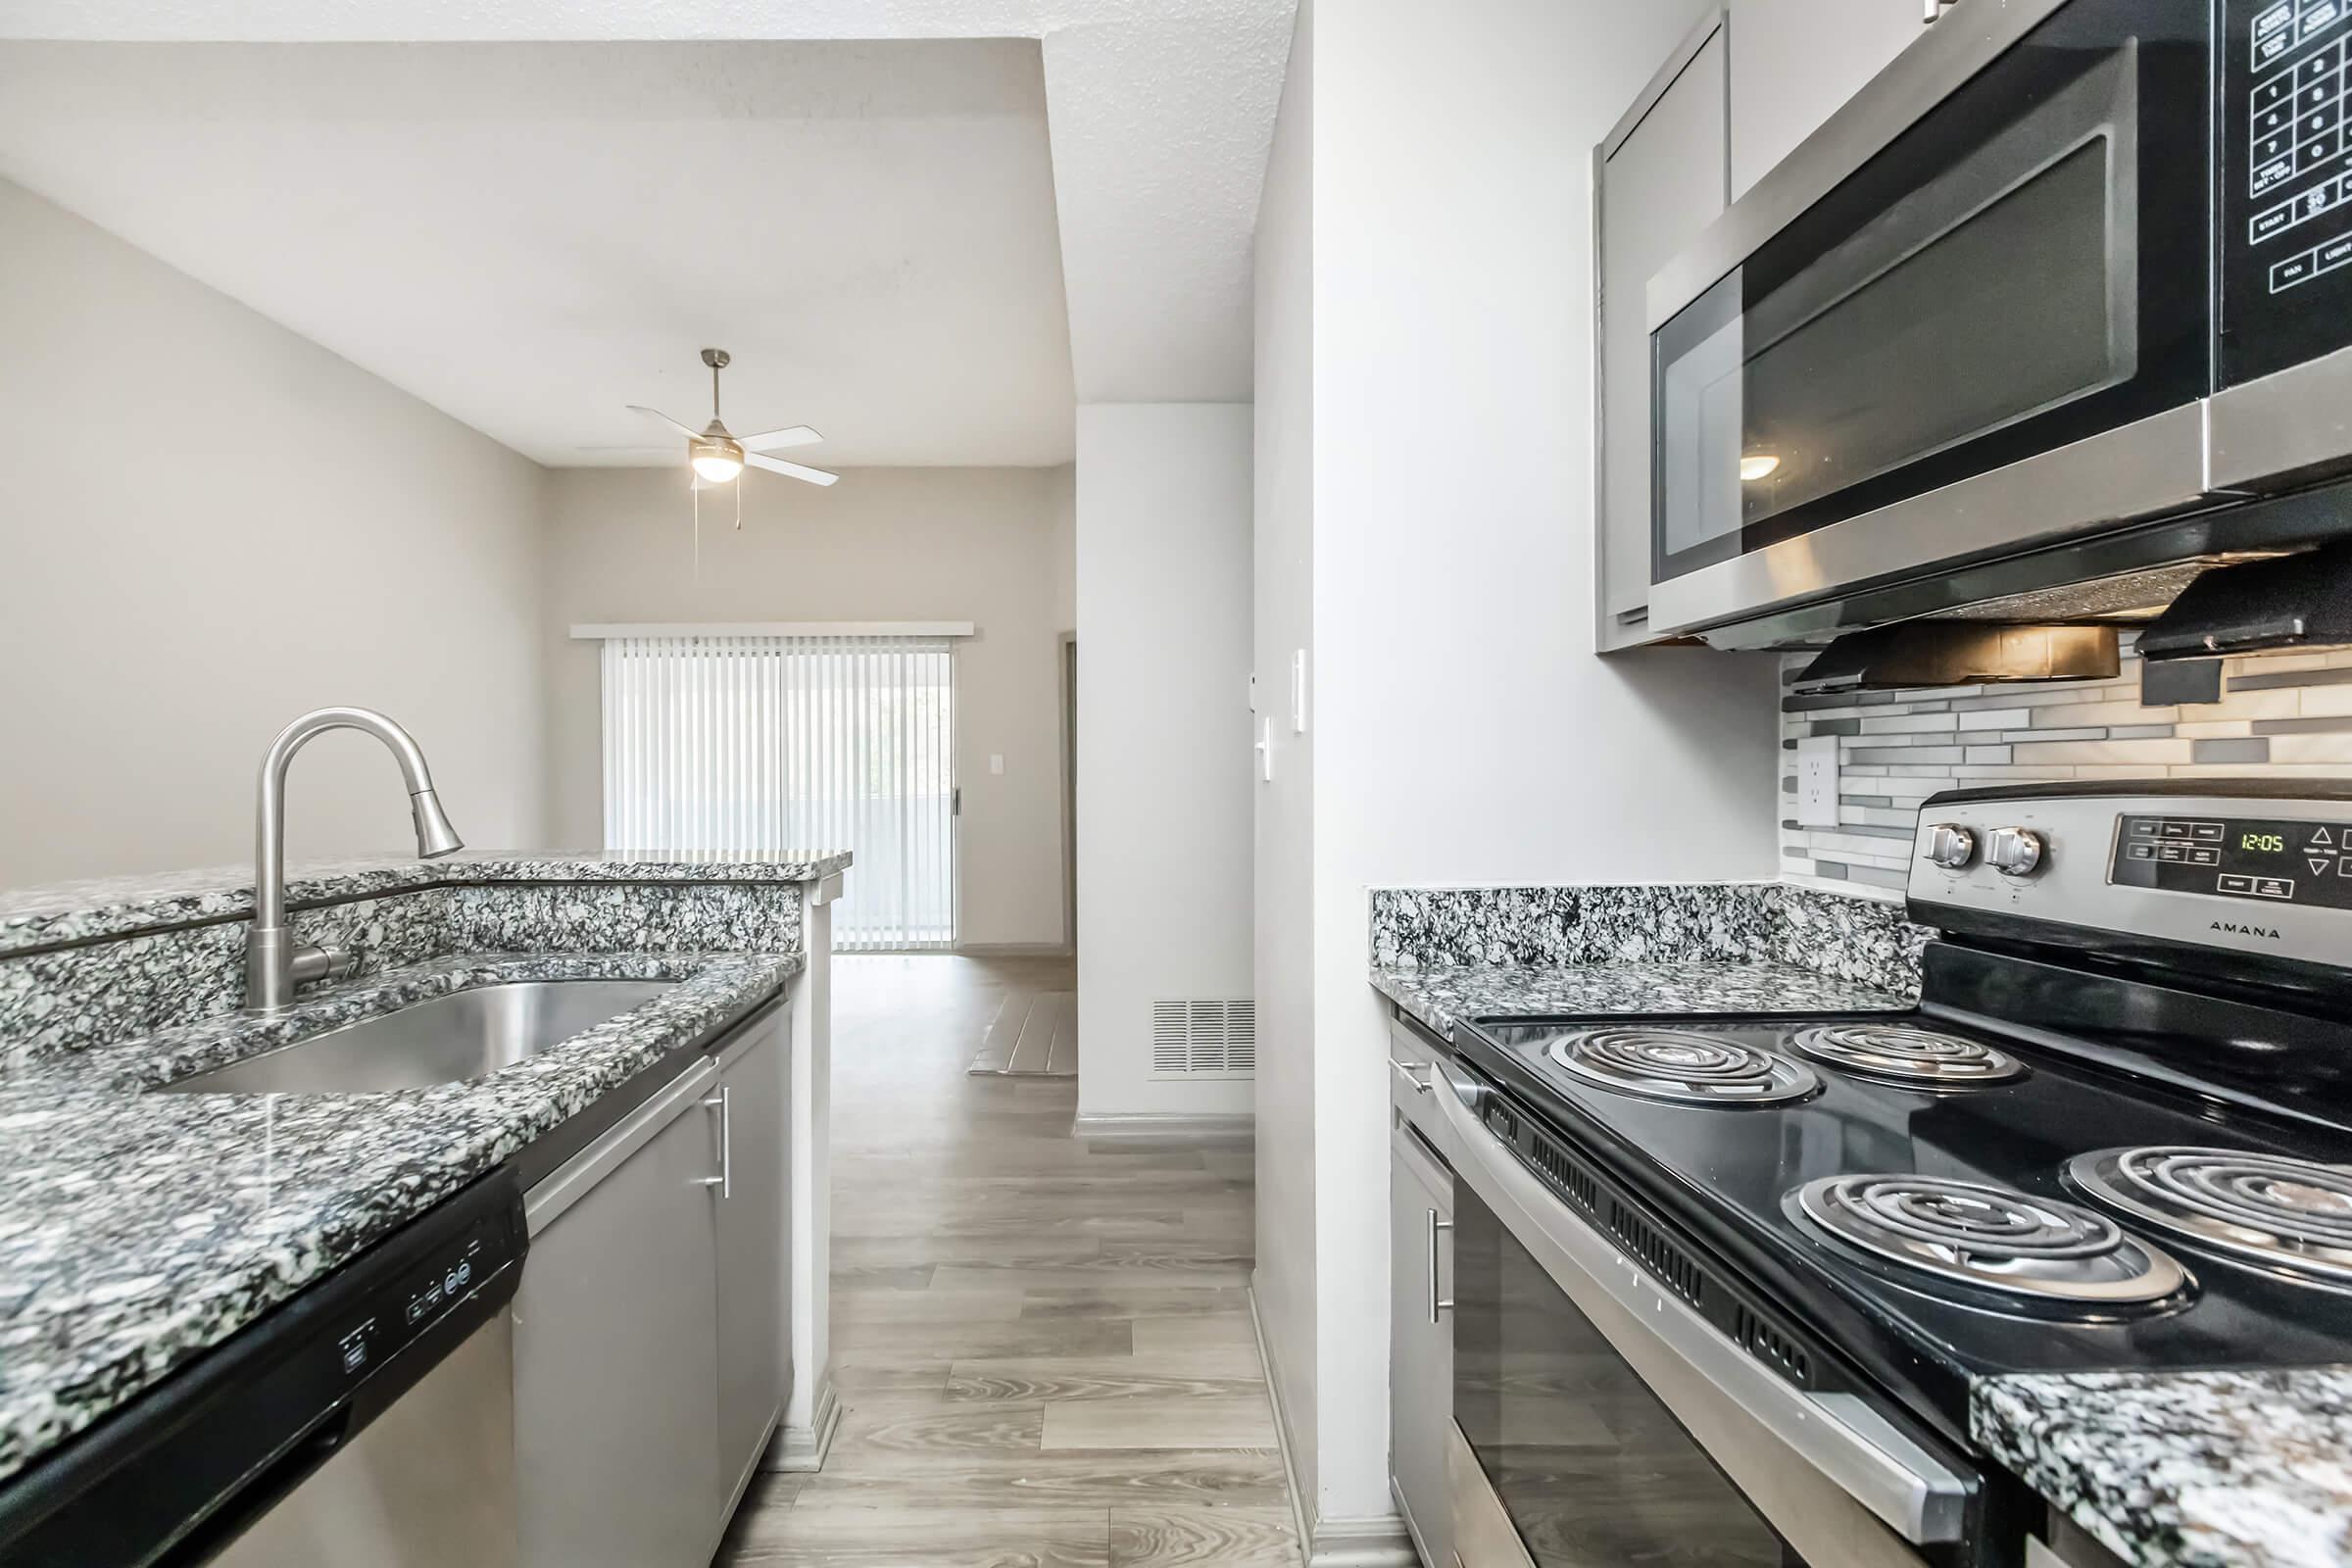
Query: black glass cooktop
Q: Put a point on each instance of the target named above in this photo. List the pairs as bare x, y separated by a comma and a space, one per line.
1729, 1174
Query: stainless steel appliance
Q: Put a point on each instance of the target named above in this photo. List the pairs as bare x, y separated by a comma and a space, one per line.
2047, 303
367, 1423
1733, 1279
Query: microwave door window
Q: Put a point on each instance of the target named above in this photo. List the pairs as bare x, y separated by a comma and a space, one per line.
1994, 320
1702, 434
1973, 295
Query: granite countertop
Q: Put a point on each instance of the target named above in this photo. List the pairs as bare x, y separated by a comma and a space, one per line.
139, 1229
1440, 997
83, 912
2200, 1469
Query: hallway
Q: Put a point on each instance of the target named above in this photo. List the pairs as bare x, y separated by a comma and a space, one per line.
1043, 1348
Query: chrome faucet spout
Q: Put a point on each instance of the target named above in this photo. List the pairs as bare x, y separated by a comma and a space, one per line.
275, 961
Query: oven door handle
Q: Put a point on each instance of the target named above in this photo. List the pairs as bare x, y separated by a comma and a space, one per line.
1854, 1446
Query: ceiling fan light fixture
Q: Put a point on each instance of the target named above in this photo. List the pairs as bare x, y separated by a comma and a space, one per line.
717, 459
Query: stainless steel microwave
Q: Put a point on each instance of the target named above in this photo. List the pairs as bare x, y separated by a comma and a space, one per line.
2048, 302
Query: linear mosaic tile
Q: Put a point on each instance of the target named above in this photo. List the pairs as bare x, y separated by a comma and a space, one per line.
2279, 716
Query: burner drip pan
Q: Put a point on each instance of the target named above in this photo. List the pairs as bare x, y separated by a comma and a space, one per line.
2028, 1250
1683, 1066
1899, 1053
2293, 1216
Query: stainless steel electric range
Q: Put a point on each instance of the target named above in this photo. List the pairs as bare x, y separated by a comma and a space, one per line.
1722, 1285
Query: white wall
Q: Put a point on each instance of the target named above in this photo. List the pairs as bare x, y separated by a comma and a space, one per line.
1284, 559
1464, 730
1163, 739
884, 544
208, 524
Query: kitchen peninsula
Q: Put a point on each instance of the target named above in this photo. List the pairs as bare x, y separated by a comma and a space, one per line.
140, 1231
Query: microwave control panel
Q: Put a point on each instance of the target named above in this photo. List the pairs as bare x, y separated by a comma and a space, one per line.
2285, 183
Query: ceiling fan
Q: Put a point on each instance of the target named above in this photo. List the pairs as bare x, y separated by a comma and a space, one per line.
719, 457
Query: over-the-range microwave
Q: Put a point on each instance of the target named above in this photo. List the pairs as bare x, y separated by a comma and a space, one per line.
2061, 298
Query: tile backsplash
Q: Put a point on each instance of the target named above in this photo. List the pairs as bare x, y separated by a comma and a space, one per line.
2280, 717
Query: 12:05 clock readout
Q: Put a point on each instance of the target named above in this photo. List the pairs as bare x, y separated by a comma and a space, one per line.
2266, 843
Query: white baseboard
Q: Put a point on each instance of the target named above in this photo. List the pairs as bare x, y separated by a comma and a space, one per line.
1175, 1128
804, 1449
1376, 1542
1012, 949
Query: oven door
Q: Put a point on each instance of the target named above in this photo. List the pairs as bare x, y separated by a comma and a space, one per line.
1612, 1423
1936, 336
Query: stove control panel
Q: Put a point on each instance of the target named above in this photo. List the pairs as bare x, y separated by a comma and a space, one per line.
2262, 872
2276, 859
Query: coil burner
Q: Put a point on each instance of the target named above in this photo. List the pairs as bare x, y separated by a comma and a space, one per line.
1684, 1067
1899, 1053
2291, 1216
1990, 1239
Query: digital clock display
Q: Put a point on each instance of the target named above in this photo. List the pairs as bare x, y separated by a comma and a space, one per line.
2261, 859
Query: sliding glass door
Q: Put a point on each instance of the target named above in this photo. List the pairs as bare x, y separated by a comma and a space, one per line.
771, 745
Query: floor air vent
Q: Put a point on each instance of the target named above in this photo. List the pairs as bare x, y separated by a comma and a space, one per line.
1205, 1039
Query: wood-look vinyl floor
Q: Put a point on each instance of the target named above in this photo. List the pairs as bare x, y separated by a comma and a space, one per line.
1042, 1346
1035, 1034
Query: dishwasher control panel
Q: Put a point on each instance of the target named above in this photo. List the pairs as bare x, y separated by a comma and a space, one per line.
435, 1284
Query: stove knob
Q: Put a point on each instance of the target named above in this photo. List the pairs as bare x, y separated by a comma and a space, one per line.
1951, 846
2015, 851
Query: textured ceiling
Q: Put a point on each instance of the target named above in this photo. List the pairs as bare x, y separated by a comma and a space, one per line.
1160, 112
530, 236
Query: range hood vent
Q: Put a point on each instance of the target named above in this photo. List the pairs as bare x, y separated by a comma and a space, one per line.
2291, 602
1954, 653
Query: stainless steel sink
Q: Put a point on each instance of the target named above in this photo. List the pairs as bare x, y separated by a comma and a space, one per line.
447, 1040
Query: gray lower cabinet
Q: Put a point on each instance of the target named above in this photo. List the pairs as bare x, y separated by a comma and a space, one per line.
653, 1327
1421, 1341
616, 1360
755, 1254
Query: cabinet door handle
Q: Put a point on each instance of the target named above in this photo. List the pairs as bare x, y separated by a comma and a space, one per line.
1436, 1225
1405, 1072
725, 1103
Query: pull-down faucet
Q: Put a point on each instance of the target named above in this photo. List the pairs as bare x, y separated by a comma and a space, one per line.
274, 962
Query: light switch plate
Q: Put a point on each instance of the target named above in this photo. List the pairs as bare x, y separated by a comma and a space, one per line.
995, 762
1817, 781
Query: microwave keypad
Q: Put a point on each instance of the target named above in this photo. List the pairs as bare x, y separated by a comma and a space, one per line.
2298, 169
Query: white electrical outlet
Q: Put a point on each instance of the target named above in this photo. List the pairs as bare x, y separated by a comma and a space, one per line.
1817, 781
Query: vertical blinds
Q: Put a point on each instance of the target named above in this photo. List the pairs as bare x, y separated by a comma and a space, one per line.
777, 746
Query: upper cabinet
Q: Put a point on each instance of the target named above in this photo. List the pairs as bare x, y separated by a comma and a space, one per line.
1662, 179
1794, 62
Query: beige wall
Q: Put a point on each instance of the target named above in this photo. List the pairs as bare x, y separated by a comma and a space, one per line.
208, 524
884, 544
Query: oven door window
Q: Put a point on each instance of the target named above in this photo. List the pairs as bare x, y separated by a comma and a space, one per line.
1590, 1466
2026, 266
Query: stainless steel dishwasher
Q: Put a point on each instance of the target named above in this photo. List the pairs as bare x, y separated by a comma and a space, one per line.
367, 1423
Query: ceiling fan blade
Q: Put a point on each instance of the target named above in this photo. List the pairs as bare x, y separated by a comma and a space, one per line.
794, 435
657, 413
794, 469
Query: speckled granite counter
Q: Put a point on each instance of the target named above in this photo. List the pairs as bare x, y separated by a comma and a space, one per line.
138, 1229
2201, 1469
1727, 946
1438, 997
